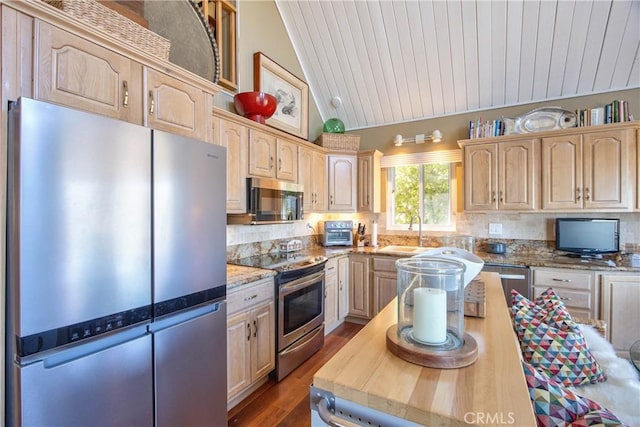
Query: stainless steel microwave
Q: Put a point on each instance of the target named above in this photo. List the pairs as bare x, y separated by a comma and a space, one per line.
270, 201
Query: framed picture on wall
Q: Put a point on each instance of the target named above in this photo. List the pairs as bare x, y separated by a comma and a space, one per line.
292, 112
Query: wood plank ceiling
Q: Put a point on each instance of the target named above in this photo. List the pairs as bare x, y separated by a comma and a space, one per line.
392, 61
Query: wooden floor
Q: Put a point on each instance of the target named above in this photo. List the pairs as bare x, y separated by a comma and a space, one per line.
287, 403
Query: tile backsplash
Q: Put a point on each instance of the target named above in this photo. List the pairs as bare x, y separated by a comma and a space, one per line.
247, 240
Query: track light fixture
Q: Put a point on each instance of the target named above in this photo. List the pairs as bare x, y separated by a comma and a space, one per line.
436, 136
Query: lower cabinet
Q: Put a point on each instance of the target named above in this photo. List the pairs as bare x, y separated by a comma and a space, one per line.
385, 282
620, 296
359, 287
576, 288
335, 292
250, 338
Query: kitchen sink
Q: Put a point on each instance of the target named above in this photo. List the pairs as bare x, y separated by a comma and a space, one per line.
403, 250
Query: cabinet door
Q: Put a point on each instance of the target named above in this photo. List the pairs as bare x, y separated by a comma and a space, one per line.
343, 287
74, 72
607, 181
234, 137
238, 353
621, 309
359, 294
330, 303
365, 175
174, 106
480, 176
287, 160
385, 289
263, 347
306, 177
638, 169
518, 163
342, 183
320, 181
562, 172
262, 154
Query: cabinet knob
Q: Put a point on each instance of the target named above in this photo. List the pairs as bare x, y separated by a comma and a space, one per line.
125, 88
586, 193
255, 328
331, 199
578, 194
270, 162
501, 198
279, 164
493, 196
562, 280
248, 331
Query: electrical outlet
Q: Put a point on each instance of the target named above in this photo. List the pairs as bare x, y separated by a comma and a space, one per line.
309, 226
495, 228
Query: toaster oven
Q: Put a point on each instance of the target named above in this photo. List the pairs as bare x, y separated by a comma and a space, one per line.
338, 233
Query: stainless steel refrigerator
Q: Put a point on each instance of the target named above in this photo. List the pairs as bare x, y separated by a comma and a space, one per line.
116, 273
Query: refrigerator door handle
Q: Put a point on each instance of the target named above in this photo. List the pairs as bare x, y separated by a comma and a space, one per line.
86, 349
181, 317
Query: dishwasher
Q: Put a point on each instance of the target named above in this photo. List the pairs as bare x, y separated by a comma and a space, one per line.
516, 277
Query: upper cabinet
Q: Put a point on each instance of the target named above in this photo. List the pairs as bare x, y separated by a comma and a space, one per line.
312, 174
235, 138
580, 169
72, 71
369, 184
174, 106
342, 171
588, 170
501, 176
82, 73
272, 157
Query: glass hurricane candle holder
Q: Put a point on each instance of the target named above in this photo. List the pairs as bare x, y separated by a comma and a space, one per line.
430, 328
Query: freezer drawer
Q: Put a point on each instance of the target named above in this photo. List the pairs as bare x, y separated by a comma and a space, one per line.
191, 367
110, 385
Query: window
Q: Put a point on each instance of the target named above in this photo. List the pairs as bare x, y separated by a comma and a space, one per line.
221, 15
427, 190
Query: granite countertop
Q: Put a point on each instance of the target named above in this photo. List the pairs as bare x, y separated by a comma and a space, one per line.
239, 275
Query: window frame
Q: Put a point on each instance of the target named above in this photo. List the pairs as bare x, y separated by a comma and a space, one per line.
390, 202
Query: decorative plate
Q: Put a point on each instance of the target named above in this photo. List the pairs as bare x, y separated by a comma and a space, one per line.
540, 119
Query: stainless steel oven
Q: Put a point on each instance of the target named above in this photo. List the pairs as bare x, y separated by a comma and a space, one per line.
300, 315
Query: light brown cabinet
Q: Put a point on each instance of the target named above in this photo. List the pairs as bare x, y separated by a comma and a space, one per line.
501, 176
235, 138
174, 106
250, 338
72, 71
588, 170
336, 292
576, 288
331, 295
342, 172
272, 157
312, 174
385, 282
369, 185
359, 287
621, 309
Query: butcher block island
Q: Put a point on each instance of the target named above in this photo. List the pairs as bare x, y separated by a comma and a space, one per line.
365, 376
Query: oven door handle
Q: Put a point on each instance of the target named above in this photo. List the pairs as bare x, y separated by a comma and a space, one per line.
302, 342
300, 283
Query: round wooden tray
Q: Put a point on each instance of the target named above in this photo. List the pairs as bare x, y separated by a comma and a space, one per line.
432, 358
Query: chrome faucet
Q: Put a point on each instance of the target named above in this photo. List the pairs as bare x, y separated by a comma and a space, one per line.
419, 227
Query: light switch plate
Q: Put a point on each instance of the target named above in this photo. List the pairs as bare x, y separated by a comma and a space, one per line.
495, 228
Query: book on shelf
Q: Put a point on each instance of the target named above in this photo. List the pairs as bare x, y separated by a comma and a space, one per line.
615, 112
486, 129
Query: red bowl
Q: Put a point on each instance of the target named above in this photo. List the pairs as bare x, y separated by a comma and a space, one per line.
256, 106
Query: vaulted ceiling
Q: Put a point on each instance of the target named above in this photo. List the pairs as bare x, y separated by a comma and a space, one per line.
392, 61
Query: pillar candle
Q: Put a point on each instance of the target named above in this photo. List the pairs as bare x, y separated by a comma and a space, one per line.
430, 315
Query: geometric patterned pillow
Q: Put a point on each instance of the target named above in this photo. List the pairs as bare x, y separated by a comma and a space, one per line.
554, 405
598, 417
548, 307
561, 353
